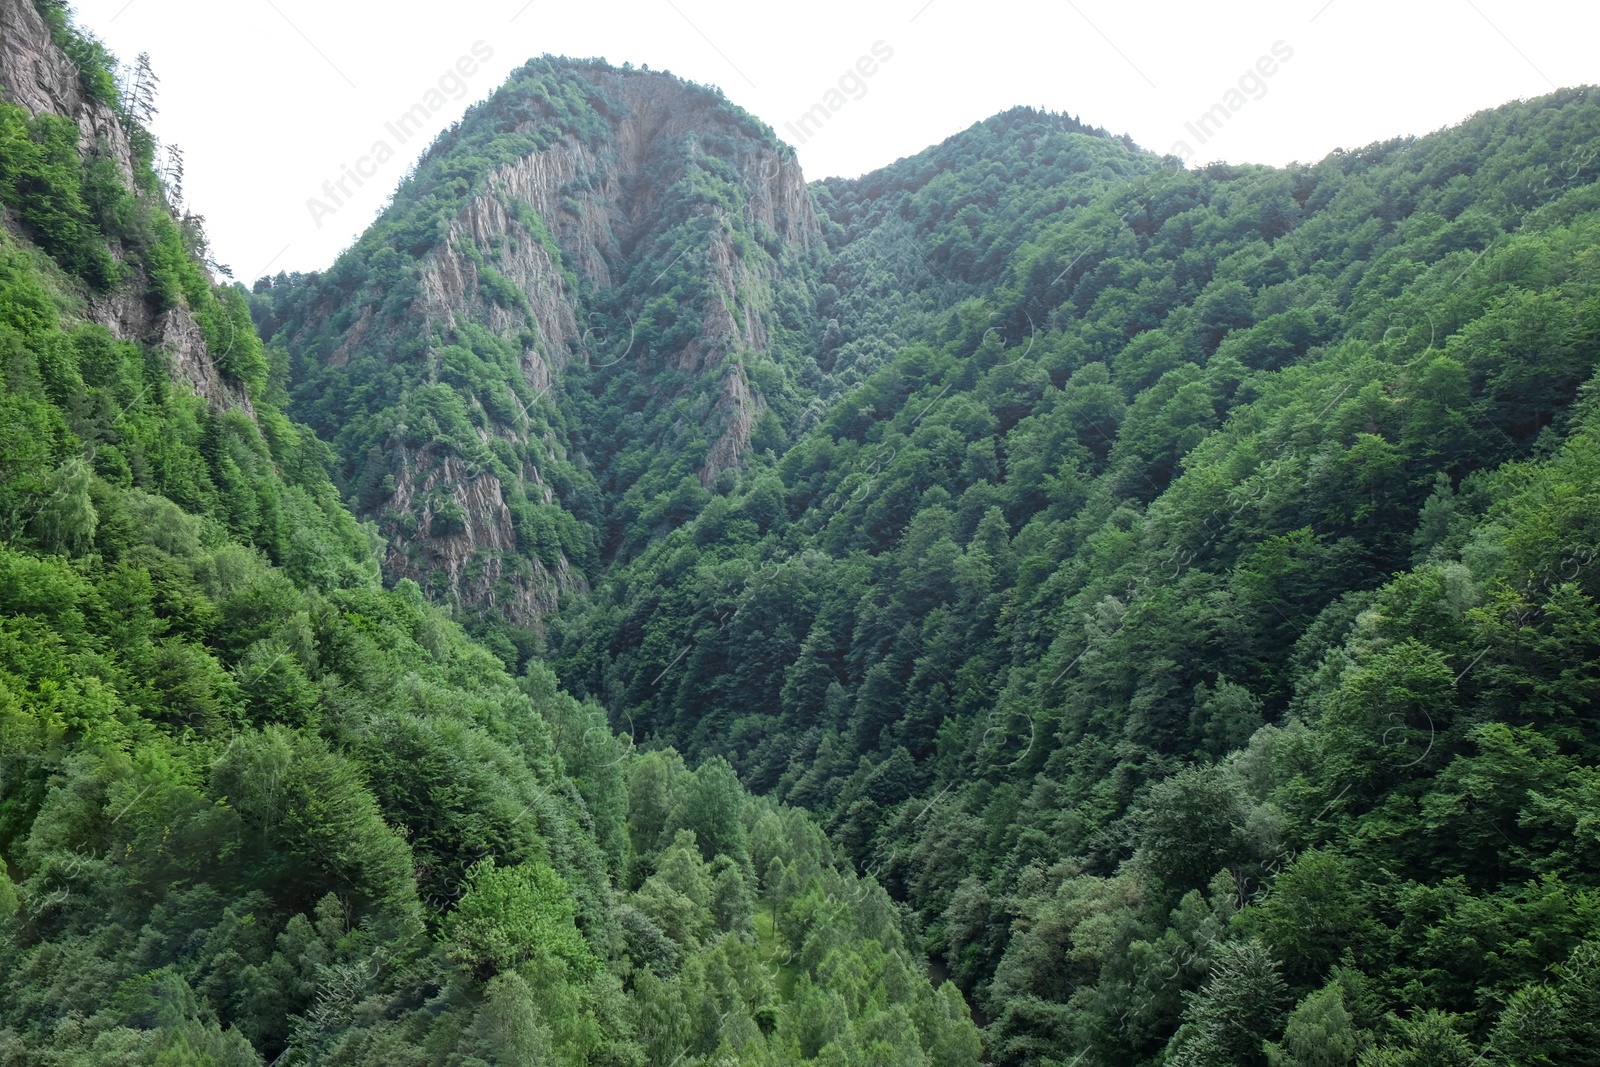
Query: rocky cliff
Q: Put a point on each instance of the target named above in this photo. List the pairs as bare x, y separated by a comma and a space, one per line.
38, 74
630, 250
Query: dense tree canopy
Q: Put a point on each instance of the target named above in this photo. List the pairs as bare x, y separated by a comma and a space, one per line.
1161, 600
1164, 526
257, 808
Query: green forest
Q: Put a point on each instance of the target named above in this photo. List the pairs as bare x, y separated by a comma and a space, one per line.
259, 808
1195, 623
1037, 604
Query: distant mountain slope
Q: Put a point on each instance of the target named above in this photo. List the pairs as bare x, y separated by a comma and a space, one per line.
1174, 531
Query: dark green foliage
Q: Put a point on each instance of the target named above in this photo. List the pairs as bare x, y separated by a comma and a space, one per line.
1157, 531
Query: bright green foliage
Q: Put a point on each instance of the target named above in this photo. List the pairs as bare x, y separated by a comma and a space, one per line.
96, 66
1320, 1033
42, 180
511, 914
1430, 1040
257, 808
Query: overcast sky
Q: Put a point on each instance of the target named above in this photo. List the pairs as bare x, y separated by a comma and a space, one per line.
269, 99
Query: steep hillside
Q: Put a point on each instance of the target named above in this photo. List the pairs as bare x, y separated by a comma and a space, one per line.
254, 807
1144, 579
1191, 611
590, 297
599, 300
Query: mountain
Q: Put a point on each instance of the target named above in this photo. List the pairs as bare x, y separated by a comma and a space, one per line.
258, 807
1190, 610
1173, 584
633, 242
599, 297
1174, 587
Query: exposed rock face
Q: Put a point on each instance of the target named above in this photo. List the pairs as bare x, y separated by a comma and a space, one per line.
570, 227
452, 285
600, 208
735, 413
38, 76
130, 317
425, 475
599, 211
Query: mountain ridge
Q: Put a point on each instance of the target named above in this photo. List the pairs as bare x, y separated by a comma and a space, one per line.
539, 285
578, 265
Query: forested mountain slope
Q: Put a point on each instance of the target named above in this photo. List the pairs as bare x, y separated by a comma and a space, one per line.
595, 301
1191, 610
1175, 586
257, 808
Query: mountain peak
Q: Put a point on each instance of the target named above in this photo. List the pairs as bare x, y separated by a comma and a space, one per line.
601, 227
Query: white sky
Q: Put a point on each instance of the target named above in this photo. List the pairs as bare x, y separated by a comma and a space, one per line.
271, 98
